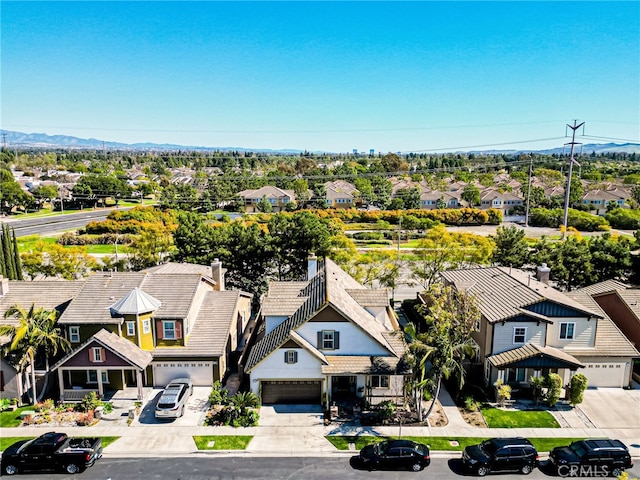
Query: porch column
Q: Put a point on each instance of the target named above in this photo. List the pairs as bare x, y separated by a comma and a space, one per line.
61, 384
139, 383
100, 388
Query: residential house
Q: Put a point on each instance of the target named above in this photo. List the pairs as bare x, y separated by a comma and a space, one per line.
50, 295
327, 339
528, 329
503, 201
146, 328
277, 197
434, 199
599, 200
340, 194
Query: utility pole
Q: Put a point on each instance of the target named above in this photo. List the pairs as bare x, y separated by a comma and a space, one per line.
4, 141
526, 214
573, 143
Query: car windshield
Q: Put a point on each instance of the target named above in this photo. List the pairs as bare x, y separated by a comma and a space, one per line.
488, 447
578, 449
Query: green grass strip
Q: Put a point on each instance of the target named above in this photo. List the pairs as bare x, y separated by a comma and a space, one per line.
222, 442
453, 444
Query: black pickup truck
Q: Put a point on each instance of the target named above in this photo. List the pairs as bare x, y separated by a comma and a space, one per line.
51, 451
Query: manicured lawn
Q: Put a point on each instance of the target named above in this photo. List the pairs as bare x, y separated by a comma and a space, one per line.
223, 442
8, 441
442, 443
12, 419
497, 418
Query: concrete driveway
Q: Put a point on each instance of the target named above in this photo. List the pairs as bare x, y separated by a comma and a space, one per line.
612, 407
193, 416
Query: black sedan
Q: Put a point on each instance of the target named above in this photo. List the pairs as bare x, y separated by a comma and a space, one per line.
395, 455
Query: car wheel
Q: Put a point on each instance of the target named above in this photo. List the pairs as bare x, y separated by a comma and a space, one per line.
482, 471
416, 467
71, 468
526, 469
10, 469
617, 471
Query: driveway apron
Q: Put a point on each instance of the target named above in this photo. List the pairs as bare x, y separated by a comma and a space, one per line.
290, 429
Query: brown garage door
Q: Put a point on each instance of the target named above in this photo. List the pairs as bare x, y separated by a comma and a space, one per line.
303, 391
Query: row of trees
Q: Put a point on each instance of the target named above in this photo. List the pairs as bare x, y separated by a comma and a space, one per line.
10, 263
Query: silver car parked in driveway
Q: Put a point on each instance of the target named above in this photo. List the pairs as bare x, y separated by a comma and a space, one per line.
174, 397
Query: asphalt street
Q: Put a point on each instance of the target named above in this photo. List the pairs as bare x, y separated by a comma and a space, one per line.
214, 466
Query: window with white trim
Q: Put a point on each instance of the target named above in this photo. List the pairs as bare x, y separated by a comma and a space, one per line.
131, 328
519, 334
328, 340
379, 381
169, 330
74, 334
290, 356
146, 326
97, 354
567, 330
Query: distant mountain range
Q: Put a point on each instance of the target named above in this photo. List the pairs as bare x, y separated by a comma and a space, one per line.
42, 140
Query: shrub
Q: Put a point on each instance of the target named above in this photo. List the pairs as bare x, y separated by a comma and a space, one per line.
470, 404
219, 395
553, 382
624, 219
89, 402
577, 386
386, 409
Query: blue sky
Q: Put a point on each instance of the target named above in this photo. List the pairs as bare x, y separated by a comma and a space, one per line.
331, 76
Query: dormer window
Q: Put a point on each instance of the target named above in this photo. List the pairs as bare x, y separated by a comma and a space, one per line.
328, 340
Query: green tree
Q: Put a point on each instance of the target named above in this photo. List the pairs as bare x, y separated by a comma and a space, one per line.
440, 250
35, 329
511, 247
53, 260
10, 265
264, 205
151, 248
192, 239
301, 190
471, 195
610, 257
438, 352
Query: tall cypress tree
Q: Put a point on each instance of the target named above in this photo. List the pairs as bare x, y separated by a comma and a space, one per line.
3, 263
16, 257
9, 254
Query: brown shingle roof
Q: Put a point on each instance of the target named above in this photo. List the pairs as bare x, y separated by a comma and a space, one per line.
348, 364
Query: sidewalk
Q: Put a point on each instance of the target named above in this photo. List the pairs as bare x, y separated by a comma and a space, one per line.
300, 431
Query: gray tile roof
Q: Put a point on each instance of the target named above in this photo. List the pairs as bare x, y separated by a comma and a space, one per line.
378, 297
529, 351
49, 295
609, 341
352, 364
604, 287
501, 292
101, 290
631, 298
215, 319
329, 286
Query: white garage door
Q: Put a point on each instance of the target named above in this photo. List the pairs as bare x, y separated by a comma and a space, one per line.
201, 373
604, 374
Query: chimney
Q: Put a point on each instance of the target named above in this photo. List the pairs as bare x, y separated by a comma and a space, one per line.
217, 274
4, 286
312, 266
542, 273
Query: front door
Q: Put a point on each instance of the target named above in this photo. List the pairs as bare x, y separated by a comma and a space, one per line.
343, 387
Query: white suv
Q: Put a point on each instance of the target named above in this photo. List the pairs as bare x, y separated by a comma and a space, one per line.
173, 400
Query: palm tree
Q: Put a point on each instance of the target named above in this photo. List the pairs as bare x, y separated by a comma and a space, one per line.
439, 352
35, 329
